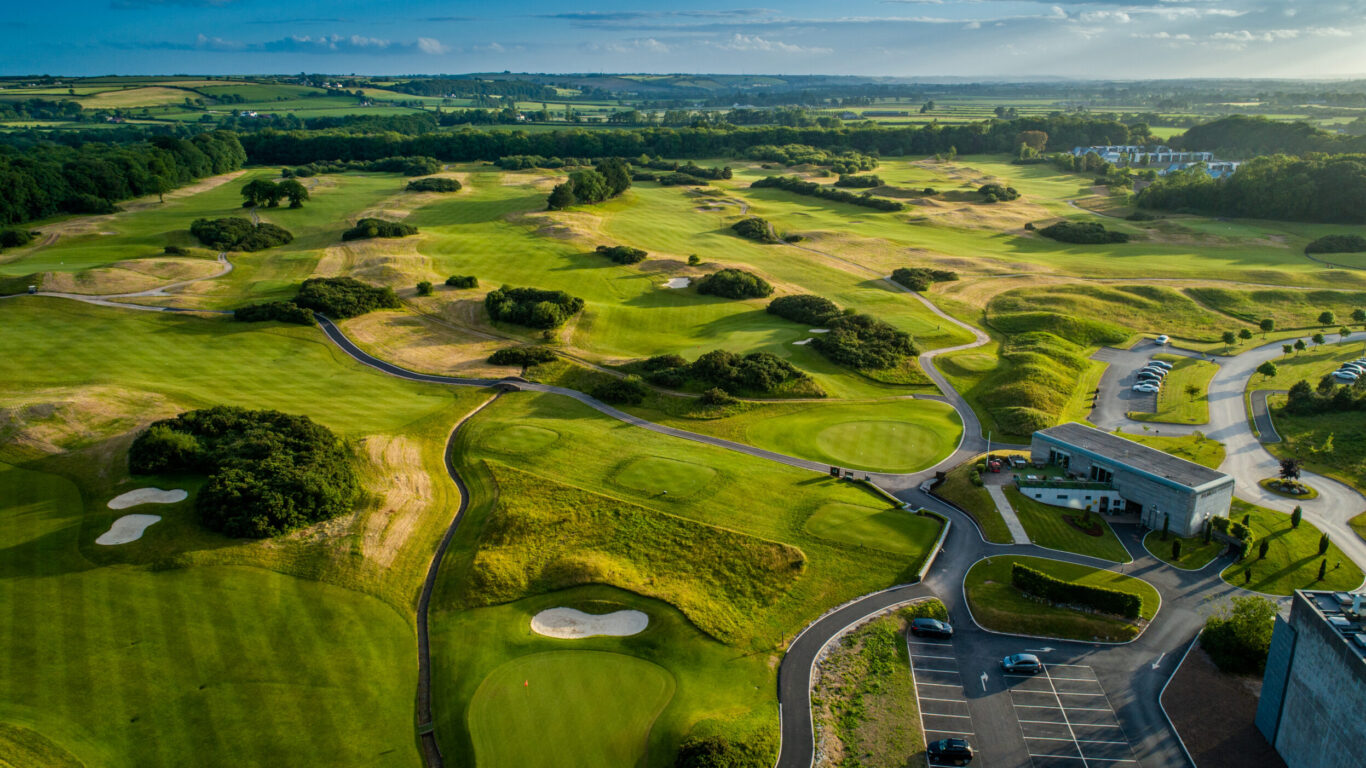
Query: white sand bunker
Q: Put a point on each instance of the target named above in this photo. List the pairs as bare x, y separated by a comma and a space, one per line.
147, 496
127, 528
803, 342
678, 282
817, 330
569, 624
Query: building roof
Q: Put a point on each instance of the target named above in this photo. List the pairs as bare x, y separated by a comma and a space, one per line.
1336, 610
1133, 455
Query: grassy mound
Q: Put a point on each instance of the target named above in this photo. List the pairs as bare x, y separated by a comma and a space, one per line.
520, 439
1289, 308
890, 530
1100, 314
1031, 385
596, 706
543, 536
660, 475
999, 606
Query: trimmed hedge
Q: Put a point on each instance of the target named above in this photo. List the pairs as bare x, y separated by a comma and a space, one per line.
522, 356
284, 311
1055, 590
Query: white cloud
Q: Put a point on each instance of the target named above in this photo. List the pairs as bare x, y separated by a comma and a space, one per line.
739, 42
636, 45
428, 45
973, 25
1091, 17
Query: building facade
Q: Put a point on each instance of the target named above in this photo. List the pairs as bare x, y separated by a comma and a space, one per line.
1161, 489
1313, 702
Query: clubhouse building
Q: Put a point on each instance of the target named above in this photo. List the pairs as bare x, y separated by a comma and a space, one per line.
1095, 470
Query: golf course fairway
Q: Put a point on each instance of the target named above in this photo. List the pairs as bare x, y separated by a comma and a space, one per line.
568, 708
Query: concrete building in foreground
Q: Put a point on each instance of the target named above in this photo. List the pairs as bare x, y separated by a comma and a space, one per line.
1313, 704
1111, 471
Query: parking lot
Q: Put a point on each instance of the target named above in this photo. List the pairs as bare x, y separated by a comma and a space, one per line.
1066, 719
939, 689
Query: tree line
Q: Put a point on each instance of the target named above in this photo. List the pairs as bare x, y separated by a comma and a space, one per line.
1318, 188
798, 186
47, 180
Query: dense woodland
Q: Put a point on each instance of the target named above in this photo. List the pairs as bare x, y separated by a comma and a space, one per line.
1320, 188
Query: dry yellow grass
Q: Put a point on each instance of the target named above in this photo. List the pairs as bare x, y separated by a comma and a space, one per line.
385, 261
45, 422
403, 492
426, 344
150, 96
130, 276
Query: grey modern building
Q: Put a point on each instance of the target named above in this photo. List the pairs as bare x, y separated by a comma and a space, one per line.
1313, 704
1156, 486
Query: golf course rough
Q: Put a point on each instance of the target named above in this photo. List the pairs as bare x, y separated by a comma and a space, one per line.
568, 708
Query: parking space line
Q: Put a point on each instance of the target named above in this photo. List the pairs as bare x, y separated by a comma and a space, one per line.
941, 730
953, 701
937, 714
940, 685
944, 671
959, 720
927, 656
1075, 741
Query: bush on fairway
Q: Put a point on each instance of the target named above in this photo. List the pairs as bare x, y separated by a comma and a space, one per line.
1082, 232
15, 238
622, 254
343, 297
434, 185
237, 234
522, 356
627, 391
368, 228
462, 281
919, 278
864, 342
542, 536
756, 229
734, 284
283, 311
755, 373
804, 308
269, 472
798, 186
531, 307
1039, 584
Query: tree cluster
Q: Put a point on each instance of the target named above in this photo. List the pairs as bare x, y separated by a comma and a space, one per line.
283, 311
435, 184
1034, 582
1319, 188
756, 229
920, 278
607, 179
627, 391
1248, 136
622, 254
368, 228
268, 472
755, 373
1238, 637
531, 307
811, 188
734, 284
994, 192
805, 309
1327, 397
48, 179
863, 342
859, 182
1082, 232
527, 162
238, 234
1330, 244
16, 238
417, 165
841, 161
264, 193
523, 356
343, 297
689, 168
462, 281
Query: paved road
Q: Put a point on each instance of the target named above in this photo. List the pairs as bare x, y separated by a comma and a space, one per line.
1261, 415
1116, 397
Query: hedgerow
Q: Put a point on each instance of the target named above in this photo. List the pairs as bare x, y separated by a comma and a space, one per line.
283, 311
622, 254
532, 307
812, 189
368, 228
1060, 591
343, 297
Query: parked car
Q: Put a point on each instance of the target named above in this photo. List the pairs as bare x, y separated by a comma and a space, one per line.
1354, 368
1022, 662
1148, 377
1159, 372
1346, 375
931, 628
1147, 387
1163, 339
1019, 462
951, 751
1159, 364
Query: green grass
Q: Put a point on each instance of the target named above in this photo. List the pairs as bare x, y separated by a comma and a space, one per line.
1195, 447
1289, 309
999, 606
1138, 308
658, 475
1174, 404
895, 436
139, 666
595, 708
890, 530
1293, 561
976, 501
1195, 553
1272, 485
1310, 365
1327, 443
1047, 528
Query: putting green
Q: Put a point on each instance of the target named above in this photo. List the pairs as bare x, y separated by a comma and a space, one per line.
890, 530
891, 436
520, 439
568, 708
656, 474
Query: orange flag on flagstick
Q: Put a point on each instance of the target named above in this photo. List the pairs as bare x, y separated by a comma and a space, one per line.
526, 683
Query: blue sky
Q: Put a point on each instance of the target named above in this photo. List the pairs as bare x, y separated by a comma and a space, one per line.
973, 38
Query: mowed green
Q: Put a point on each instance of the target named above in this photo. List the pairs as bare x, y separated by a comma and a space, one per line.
891, 436
1047, 528
890, 530
997, 605
568, 708
662, 475
128, 666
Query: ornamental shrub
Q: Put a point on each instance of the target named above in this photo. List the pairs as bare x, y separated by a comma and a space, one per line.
1055, 590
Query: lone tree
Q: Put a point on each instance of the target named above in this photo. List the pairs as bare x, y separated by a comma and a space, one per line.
424, 288
1238, 638
1323, 569
1318, 338
1327, 318
1192, 391
1296, 517
1229, 337
1244, 334
293, 190
1176, 549
1286, 349
1290, 469
1323, 548
1166, 524
1267, 325
1300, 346
1267, 369
1263, 548
561, 197
1359, 315
1343, 333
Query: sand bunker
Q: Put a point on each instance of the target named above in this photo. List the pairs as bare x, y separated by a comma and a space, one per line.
570, 624
678, 282
817, 330
147, 496
803, 342
127, 528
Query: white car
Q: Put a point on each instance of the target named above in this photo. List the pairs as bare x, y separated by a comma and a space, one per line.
1163, 339
1346, 375
1147, 387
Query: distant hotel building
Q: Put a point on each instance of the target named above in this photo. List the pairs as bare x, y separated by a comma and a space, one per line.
1165, 159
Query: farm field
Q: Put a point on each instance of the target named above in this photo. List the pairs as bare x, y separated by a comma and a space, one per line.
998, 605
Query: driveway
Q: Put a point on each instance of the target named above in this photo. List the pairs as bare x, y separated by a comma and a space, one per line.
1117, 398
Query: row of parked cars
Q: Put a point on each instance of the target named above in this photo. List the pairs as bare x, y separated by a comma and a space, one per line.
1350, 372
1149, 378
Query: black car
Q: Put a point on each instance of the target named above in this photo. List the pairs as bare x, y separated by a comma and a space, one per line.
931, 628
950, 751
